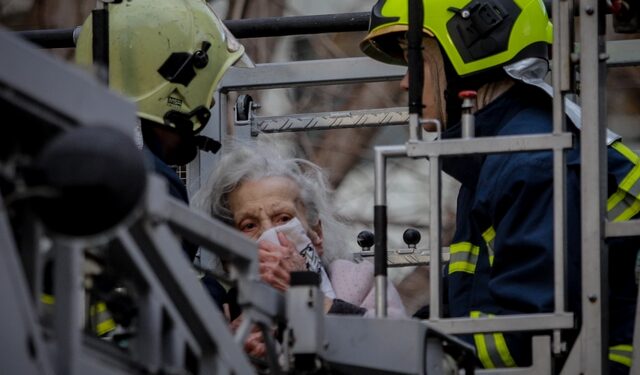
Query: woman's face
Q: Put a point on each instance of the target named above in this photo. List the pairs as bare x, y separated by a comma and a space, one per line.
259, 205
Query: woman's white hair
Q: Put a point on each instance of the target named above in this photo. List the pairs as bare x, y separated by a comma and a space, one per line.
254, 161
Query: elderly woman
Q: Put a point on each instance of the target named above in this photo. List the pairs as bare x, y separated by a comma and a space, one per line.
283, 204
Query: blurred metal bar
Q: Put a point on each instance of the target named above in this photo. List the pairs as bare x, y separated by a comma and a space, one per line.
18, 316
68, 292
397, 258
243, 28
51, 38
210, 234
380, 222
635, 361
298, 25
593, 184
85, 100
504, 323
490, 145
100, 42
365, 118
435, 224
561, 73
309, 73
623, 53
622, 228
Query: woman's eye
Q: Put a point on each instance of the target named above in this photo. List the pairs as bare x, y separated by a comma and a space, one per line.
247, 227
284, 218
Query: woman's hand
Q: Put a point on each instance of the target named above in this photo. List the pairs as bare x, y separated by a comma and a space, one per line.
278, 261
254, 344
328, 302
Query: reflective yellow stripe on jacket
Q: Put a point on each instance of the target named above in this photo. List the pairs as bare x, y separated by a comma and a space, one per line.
47, 299
625, 202
105, 323
98, 311
489, 236
622, 354
463, 257
491, 347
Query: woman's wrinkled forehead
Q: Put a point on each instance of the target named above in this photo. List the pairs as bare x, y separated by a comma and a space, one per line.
271, 192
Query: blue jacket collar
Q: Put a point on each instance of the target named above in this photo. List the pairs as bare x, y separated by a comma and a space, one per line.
489, 121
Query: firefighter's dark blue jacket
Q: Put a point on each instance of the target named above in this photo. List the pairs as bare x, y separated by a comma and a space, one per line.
179, 191
502, 252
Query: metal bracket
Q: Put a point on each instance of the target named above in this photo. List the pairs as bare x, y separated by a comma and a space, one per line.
365, 118
403, 257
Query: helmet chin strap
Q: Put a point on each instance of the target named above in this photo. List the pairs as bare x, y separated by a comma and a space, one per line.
532, 71
207, 144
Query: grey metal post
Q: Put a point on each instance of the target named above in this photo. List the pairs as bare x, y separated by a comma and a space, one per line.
592, 182
305, 318
67, 317
100, 40
415, 128
380, 222
18, 318
561, 84
435, 186
149, 337
468, 120
635, 360
434, 358
32, 259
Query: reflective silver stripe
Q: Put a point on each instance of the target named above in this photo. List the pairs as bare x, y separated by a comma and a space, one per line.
621, 207
489, 237
463, 257
622, 354
492, 350
492, 347
626, 152
102, 318
634, 189
625, 202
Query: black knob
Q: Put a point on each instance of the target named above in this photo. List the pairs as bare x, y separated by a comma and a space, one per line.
200, 58
365, 239
411, 237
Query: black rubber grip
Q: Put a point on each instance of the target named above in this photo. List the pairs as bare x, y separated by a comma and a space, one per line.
380, 227
304, 278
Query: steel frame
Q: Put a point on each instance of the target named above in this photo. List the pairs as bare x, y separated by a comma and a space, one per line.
144, 250
594, 61
150, 244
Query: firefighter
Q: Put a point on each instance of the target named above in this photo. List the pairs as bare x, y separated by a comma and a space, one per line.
502, 251
168, 56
